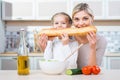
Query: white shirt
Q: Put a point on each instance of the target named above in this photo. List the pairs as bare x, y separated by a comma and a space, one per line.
56, 50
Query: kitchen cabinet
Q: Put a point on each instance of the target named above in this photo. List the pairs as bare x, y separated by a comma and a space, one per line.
12, 62
97, 7
102, 9
9, 61
36, 62
113, 9
46, 9
18, 10
32, 9
112, 62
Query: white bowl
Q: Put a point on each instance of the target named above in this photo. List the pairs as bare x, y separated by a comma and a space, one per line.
52, 66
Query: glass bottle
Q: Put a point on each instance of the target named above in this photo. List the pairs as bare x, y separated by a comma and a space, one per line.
23, 58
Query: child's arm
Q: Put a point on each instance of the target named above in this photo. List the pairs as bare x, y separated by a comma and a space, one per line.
48, 50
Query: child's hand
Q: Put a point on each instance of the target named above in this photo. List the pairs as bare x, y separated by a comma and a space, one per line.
51, 38
43, 41
65, 38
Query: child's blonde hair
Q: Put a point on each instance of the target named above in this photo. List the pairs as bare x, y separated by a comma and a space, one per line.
64, 14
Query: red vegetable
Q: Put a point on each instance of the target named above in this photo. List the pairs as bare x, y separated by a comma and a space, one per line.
87, 70
96, 70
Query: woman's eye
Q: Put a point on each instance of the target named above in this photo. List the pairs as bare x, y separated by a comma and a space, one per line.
63, 23
85, 18
76, 19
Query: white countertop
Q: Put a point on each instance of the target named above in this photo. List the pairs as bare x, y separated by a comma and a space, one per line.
107, 54
15, 54
38, 75
112, 54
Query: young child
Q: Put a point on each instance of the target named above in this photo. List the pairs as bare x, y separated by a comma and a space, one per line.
60, 47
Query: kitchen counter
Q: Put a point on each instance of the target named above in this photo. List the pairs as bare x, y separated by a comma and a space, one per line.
113, 54
15, 54
38, 75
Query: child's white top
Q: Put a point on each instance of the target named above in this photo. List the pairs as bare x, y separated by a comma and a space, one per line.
56, 50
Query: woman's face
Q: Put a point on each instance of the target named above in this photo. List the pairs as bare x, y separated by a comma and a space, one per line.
60, 21
82, 19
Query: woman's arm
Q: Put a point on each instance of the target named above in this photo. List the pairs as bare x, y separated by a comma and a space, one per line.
92, 42
101, 47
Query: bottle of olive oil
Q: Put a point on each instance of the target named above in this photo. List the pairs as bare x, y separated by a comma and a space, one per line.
23, 58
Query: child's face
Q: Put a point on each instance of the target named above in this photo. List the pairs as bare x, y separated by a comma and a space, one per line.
61, 21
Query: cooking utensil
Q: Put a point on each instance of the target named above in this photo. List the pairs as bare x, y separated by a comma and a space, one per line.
73, 52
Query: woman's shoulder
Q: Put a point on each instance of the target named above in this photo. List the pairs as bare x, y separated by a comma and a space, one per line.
101, 40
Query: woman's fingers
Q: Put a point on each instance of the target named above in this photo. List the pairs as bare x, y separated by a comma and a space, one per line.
91, 36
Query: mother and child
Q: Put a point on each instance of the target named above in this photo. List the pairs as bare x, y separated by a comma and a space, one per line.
91, 53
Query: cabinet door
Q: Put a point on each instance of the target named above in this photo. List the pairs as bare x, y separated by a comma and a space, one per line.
113, 62
97, 7
113, 9
36, 62
46, 9
31, 63
18, 9
8, 63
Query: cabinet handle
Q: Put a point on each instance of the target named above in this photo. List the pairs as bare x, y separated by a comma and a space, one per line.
14, 58
19, 18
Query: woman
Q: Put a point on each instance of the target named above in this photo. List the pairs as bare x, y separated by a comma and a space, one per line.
91, 53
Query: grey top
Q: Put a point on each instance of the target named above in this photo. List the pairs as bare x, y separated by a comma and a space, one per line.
84, 52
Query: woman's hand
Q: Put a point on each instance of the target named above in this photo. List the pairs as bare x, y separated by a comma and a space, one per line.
65, 39
43, 41
91, 36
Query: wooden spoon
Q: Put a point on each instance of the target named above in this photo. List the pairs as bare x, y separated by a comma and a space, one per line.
73, 52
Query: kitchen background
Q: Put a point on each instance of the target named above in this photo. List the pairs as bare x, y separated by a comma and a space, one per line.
34, 15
